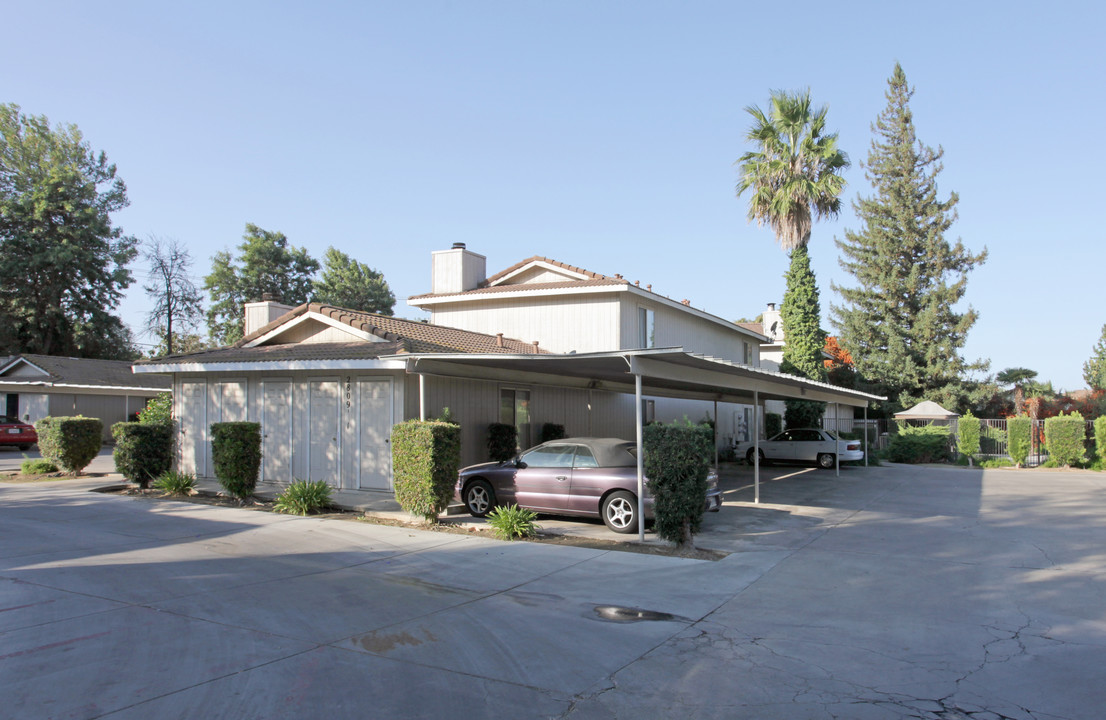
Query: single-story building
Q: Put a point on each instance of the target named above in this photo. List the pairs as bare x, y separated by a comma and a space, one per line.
35, 386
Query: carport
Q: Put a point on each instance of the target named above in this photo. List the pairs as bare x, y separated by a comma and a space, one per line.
662, 372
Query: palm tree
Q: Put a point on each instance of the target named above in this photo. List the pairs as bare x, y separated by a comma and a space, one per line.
795, 171
1018, 377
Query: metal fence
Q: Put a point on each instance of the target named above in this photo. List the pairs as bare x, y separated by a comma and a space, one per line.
992, 435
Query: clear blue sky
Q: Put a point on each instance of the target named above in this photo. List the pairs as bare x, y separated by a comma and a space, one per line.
601, 134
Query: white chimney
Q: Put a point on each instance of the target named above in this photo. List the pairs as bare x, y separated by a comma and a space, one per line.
456, 270
260, 314
773, 323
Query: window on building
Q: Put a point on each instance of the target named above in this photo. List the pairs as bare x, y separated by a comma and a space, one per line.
648, 411
747, 351
646, 323
514, 409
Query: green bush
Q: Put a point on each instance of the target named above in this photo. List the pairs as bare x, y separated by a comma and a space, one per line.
502, 441
1064, 438
175, 483
143, 451
996, 463
920, 444
967, 436
1018, 438
552, 431
425, 460
236, 452
70, 442
36, 466
773, 424
303, 497
158, 410
1100, 438
512, 522
803, 413
677, 460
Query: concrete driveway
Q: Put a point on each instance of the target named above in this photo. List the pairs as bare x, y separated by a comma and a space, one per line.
885, 593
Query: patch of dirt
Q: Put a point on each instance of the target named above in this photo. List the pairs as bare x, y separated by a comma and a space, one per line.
18, 477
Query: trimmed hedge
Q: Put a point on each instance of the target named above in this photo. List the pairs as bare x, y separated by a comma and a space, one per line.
1018, 438
236, 452
552, 431
70, 442
922, 444
967, 436
803, 413
502, 441
425, 459
1064, 438
143, 451
1100, 438
773, 424
677, 460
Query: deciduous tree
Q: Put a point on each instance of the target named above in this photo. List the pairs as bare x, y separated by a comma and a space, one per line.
63, 265
900, 321
177, 303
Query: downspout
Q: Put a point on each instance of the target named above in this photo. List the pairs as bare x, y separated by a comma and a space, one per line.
422, 397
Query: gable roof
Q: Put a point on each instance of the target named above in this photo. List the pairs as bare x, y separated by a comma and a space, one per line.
386, 336
50, 370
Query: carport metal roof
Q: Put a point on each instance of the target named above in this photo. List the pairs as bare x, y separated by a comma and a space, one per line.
664, 372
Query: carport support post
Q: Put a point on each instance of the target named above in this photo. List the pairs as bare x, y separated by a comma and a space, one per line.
837, 437
640, 463
422, 397
756, 446
716, 436
865, 434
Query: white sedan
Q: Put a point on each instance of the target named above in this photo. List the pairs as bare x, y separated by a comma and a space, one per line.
804, 445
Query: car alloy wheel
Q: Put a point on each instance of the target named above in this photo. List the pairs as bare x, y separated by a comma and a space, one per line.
620, 512
825, 460
479, 498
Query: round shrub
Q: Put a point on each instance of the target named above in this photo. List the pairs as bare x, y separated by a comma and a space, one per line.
142, 451
70, 442
502, 441
236, 452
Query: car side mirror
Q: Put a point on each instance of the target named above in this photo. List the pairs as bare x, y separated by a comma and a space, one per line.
519, 464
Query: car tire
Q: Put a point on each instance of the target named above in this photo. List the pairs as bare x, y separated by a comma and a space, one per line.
24, 447
479, 498
826, 461
749, 457
620, 512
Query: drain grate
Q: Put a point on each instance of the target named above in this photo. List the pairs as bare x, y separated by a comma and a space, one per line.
614, 613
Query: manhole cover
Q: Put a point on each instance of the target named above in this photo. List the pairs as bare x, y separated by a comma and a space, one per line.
614, 613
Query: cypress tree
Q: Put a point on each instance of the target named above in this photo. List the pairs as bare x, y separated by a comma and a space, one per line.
899, 323
804, 338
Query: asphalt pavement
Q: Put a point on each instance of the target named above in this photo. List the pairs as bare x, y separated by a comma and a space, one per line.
888, 592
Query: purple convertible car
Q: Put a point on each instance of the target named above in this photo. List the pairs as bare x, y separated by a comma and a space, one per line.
589, 477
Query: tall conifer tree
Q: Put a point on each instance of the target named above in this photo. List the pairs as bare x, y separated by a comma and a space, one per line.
899, 323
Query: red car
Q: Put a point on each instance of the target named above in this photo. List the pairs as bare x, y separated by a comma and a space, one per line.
14, 431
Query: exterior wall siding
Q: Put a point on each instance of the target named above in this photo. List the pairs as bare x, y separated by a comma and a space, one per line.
584, 323
673, 328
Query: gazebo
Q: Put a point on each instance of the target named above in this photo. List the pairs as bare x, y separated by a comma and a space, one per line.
928, 411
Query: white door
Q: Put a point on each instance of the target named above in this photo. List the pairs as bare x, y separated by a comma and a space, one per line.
276, 431
193, 423
374, 404
322, 447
